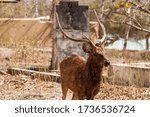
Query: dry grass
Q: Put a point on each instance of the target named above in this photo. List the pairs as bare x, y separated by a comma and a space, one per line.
24, 56
24, 88
116, 92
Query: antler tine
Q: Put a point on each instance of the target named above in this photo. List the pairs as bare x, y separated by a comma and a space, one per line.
90, 41
103, 28
87, 40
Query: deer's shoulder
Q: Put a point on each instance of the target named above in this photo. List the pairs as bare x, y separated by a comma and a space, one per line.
73, 60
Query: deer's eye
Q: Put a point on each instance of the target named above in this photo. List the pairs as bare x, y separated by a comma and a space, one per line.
95, 54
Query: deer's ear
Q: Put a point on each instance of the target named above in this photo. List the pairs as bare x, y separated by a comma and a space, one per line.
86, 48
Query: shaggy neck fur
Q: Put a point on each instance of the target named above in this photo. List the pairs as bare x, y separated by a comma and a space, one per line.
94, 70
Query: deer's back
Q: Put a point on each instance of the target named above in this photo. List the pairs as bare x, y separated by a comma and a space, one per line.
71, 70
72, 62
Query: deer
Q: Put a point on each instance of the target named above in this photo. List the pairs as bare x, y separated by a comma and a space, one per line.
81, 76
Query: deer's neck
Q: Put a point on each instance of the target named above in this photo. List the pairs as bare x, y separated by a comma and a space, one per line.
94, 70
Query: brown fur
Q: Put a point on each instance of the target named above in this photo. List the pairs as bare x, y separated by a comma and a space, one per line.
81, 76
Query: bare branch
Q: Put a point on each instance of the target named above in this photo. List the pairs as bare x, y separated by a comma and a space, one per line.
140, 8
133, 19
101, 9
138, 28
132, 25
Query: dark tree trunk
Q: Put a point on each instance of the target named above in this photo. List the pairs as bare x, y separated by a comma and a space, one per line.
126, 37
127, 31
147, 41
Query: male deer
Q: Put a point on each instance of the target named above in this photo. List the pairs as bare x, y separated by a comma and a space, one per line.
82, 76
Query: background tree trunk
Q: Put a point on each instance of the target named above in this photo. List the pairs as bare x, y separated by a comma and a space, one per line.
147, 41
26, 8
54, 64
36, 8
127, 31
126, 37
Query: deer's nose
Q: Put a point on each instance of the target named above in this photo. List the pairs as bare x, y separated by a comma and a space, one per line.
107, 63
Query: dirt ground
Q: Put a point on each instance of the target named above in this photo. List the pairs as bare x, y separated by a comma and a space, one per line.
22, 87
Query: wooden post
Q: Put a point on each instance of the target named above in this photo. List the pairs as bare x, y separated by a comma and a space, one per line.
54, 45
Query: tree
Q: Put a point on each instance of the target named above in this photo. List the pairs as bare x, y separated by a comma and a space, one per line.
116, 17
127, 30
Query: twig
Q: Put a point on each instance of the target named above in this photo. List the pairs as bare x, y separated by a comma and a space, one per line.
138, 28
140, 8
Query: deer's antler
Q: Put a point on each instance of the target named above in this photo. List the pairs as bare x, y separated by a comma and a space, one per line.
86, 39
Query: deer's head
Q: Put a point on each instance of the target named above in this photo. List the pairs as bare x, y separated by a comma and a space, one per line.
96, 53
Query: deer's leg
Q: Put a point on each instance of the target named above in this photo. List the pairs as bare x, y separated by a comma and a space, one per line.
64, 91
89, 96
92, 98
95, 92
74, 97
80, 96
